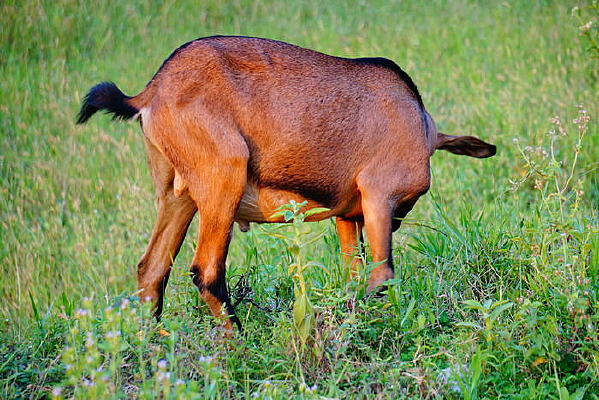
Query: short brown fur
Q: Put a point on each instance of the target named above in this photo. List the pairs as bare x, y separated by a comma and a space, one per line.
237, 127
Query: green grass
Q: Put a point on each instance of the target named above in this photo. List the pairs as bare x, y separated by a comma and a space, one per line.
497, 267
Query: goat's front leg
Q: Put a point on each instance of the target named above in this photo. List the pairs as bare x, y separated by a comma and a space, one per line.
350, 240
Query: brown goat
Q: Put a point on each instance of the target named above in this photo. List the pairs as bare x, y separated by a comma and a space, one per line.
238, 126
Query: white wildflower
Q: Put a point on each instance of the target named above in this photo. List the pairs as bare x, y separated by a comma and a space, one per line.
205, 359
124, 304
88, 383
586, 27
162, 364
112, 334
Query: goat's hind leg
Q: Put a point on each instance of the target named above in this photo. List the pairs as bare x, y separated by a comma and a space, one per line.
173, 219
208, 266
215, 177
218, 203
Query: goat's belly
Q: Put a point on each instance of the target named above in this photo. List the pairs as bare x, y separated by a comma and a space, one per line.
258, 204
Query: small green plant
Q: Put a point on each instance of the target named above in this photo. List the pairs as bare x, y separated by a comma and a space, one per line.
470, 388
489, 312
303, 311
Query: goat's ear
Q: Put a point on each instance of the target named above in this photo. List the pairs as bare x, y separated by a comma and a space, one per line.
465, 145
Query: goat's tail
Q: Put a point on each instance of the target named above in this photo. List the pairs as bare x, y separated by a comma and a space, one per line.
106, 96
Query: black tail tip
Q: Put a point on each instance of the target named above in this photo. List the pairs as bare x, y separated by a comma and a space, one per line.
108, 97
85, 113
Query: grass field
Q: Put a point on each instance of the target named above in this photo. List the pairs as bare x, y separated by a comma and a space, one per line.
496, 290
